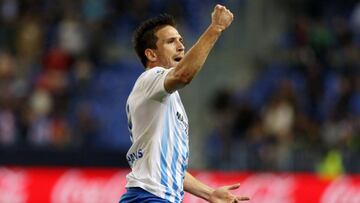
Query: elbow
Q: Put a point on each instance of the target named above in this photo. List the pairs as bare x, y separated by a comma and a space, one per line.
184, 79
182, 76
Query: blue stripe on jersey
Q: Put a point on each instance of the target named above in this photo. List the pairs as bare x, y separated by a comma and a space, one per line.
174, 162
163, 154
173, 167
185, 153
180, 146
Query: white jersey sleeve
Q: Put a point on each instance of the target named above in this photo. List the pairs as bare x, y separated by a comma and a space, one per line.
152, 82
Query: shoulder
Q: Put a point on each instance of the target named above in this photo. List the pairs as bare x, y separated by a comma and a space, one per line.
151, 82
156, 71
153, 73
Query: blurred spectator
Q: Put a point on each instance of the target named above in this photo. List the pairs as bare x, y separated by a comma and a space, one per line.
29, 38
340, 129
9, 10
94, 10
85, 124
8, 98
41, 103
279, 114
332, 165
72, 38
279, 117
8, 133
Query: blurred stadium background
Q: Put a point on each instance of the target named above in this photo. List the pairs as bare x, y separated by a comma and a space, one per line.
280, 92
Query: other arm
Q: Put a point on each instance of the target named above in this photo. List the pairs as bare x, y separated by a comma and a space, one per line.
219, 195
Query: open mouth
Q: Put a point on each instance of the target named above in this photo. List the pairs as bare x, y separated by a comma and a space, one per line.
178, 59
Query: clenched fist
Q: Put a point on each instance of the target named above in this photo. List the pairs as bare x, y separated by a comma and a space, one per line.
221, 17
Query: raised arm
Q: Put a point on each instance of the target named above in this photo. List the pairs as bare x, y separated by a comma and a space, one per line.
195, 58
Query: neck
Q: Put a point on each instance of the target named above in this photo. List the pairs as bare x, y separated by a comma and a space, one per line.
151, 65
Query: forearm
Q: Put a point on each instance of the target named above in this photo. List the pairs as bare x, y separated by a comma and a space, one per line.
195, 58
197, 188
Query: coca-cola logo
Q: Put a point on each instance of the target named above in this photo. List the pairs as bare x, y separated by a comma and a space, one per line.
12, 186
342, 190
74, 187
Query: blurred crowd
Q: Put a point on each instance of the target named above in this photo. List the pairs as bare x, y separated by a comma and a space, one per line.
66, 68
59, 62
44, 70
304, 104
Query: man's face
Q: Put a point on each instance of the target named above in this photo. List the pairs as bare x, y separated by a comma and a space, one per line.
170, 49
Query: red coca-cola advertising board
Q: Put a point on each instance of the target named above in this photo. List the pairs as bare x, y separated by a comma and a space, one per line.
96, 185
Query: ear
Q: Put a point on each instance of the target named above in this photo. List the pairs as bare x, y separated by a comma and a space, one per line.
150, 55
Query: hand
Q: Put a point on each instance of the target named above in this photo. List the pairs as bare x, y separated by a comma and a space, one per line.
221, 17
223, 195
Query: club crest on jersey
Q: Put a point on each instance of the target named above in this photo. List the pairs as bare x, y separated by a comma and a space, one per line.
160, 72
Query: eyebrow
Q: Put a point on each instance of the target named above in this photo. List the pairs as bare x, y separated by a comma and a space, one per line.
172, 38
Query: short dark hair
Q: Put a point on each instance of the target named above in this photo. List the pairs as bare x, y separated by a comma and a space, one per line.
144, 36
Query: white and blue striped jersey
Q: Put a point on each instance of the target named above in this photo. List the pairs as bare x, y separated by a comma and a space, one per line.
158, 125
